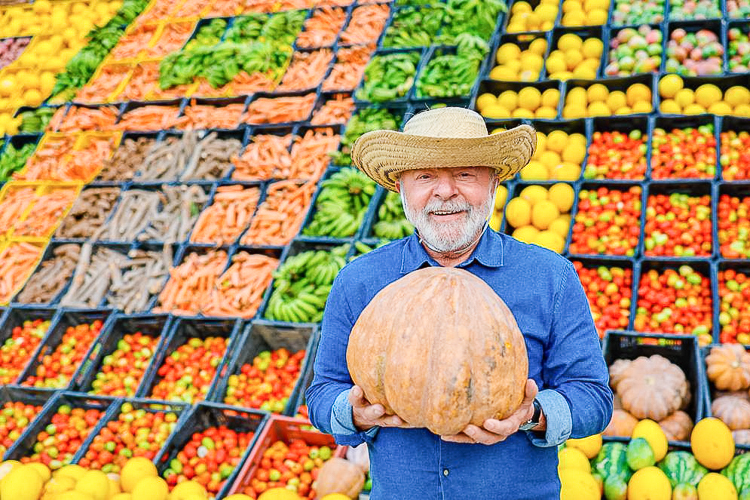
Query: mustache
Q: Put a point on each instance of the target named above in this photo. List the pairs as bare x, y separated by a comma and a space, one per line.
446, 206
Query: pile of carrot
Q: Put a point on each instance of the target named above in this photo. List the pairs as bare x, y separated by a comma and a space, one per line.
190, 8
205, 89
311, 154
148, 118
322, 28
366, 24
102, 87
145, 78
190, 284
228, 216
17, 261
265, 156
349, 68
172, 38
48, 158
333, 3
280, 216
47, 213
13, 205
84, 119
245, 84
239, 291
307, 70
58, 161
223, 8
158, 11
280, 109
133, 43
335, 111
202, 116
269, 6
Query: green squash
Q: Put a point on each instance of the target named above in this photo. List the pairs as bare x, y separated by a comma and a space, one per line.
615, 488
682, 467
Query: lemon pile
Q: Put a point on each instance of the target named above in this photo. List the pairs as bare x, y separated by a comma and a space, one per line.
707, 98
523, 18
529, 102
516, 65
574, 58
541, 216
558, 157
597, 100
586, 13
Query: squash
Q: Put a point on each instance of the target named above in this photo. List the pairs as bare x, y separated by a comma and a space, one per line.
733, 411
738, 471
339, 475
649, 483
716, 487
612, 461
616, 371
712, 443
677, 426
622, 424
741, 436
653, 388
728, 367
440, 349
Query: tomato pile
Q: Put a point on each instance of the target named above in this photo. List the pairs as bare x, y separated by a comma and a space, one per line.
294, 465
18, 349
735, 155
56, 369
734, 226
123, 370
675, 301
209, 458
267, 382
734, 307
609, 292
60, 440
678, 225
683, 153
14, 418
615, 155
187, 373
607, 222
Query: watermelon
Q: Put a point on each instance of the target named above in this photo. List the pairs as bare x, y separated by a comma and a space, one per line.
682, 467
745, 495
615, 488
639, 454
612, 461
685, 491
738, 471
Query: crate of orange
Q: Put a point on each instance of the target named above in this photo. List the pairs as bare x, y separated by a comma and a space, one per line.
287, 455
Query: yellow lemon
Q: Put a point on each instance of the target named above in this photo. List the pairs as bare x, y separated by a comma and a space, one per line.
716, 487
550, 98
566, 172
532, 61
186, 489
503, 73
670, 107
598, 109
669, 85
42, 470
616, 99
59, 485
501, 196
562, 195
495, 112
578, 485
7, 86
528, 75
518, 212
593, 47
712, 443
597, 93
574, 18
534, 171
538, 46
649, 483
555, 64
653, 433
571, 5
73, 495
720, 108
550, 159
496, 220
485, 100
577, 96
742, 110
596, 4
638, 92
642, 107
545, 113
574, 111
596, 17
573, 57
122, 496
693, 109
520, 7
707, 94
561, 226
556, 141
534, 194
550, 240
151, 488
543, 213
22, 483
278, 494
590, 446
72, 471
41, 7
569, 41
577, 139
584, 72
737, 95
134, 471
527, 234
95, 484
508, 99
541, 144
522, 113
547, 12
529, 98
33, 97
507, 52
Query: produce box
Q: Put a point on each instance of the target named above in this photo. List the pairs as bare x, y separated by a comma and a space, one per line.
584, 33
733, 141
51, 277
663, 166
388, 76
286, 429
615, 134
22, 332
201, 418
730, 314
19, 407
723, 83
134, 115
264, 336
645, 94
522, 109
523, 42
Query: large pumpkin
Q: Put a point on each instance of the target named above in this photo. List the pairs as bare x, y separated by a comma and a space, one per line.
440, 349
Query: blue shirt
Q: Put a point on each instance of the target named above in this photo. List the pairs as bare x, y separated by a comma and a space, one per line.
544, 293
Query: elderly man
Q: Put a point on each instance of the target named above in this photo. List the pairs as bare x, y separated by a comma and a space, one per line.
447, 168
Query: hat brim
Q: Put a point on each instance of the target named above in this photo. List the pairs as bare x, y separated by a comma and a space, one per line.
384, 154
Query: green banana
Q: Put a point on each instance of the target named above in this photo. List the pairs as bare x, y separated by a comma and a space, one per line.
341, 204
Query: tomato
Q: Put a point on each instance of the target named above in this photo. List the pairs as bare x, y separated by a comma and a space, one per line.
17, 350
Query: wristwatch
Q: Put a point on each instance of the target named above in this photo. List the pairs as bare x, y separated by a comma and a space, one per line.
531, 423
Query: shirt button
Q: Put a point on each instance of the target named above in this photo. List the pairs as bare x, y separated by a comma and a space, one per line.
445, 472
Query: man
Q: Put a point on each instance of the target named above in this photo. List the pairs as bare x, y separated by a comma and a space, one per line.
447, 168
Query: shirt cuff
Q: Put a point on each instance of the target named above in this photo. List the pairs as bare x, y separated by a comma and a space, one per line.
559, 420
342, 422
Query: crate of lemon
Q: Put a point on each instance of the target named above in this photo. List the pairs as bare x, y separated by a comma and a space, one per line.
648, 467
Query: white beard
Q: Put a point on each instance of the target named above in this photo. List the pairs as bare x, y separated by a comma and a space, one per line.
450, 236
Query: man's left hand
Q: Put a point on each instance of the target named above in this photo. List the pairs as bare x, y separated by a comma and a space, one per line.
494, 431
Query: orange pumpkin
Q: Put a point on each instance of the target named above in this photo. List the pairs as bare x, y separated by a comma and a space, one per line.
440, 349
622, 424
677, 426
340, 476
728, 367
733, 411
653, 387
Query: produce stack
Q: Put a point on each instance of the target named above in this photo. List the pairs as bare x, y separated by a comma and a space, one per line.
178, 197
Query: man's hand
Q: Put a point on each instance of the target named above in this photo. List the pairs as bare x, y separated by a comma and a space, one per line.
366, 416
493, 431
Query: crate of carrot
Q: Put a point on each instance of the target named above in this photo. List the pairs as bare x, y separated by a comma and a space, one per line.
333, 109
51, 204
18, 259
348, 68
21, 333
279, 218
228, 216
265, 156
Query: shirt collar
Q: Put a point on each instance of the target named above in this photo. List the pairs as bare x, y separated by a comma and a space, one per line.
489, 252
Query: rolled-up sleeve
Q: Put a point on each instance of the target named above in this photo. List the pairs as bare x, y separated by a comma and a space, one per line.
559, 422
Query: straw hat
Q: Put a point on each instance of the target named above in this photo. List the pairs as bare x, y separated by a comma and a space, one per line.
442, 137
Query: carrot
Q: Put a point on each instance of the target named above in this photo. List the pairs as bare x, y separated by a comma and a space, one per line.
263, 157
245, 84
200, 116
311, 154
238, 292
80, 118
333, 3
144, 79
58, 161
146, 118
366, 24
157, 12
172, 38
190, 283
269, 6
47, 213
349, 68
321, 29
56, 119
229, 215
337, 110
280, 216
17, 261
223, 8
104, 85
47, 158
307, 70
206, 90
190, 8
280, 109
13, 205
132, 44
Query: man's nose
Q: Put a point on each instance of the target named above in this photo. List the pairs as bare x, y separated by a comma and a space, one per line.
446, 187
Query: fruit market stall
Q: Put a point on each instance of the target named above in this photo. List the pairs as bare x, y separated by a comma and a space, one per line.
177, 196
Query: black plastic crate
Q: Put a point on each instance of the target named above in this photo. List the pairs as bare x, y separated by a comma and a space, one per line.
668, 124
692, 26
13, 394
612, 84
59, 290
17, 317
584, 33
496, 88
623, 126
736, 125
722, 318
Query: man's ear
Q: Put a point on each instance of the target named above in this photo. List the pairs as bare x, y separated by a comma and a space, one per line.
398, 185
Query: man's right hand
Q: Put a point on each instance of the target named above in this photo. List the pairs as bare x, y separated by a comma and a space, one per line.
366, 416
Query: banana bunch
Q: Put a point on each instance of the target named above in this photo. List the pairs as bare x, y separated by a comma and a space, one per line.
453, 75
365, 120
302, 284
413, 27
392, 223
341, 204
477, 17
389, 76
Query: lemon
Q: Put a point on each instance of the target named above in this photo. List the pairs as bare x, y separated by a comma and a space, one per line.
522, 113
551, 241
596, 4
114, 486
495, 112
584, 72
707, 94
578, 485
503, 73
653, 433
566, 172
598, 109
720, 108
574, 111
571, 5
186, 489
529, 98
573, 58
716, 487
638, 92
240, 496
550, 158
528, 75
95, 484
541, 144
543, 213
534, 171
41, 7
712, 444
527, 234
151, 488
569, 41
545, 113
501, 196
134, 470
42, 470
562, 195
59, 485
532, 61
508, 100
515, 27
670, 107
22, 483
533, 21
539, 46
574, 18
73, 495
7, 85
122, 496
556, 63
496, 220
520, 7
556, 141
518, 212
507, 52
693, 109
560, 226
597, 93
547, 12
550, 98
616, 99
590, 445
737, 95
577, 139
33, 97
485, 100
669, 85
72, 471
649, 483
742, 110
534, 194
593, 47
577, 96
642, 107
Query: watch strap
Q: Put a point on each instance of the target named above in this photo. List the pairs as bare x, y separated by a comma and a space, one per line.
535, 418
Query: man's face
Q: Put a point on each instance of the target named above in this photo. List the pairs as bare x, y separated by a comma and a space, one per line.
448, 206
